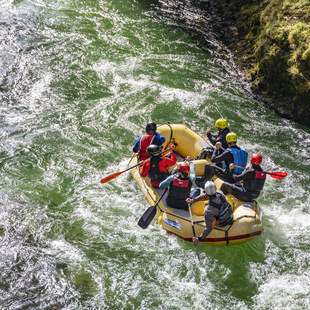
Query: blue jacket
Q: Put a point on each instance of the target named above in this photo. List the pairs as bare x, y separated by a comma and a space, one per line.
240, 158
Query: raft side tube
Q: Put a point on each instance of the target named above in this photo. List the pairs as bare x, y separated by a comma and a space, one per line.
188, 142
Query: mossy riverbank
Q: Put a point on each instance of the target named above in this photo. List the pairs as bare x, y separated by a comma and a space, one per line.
271, 41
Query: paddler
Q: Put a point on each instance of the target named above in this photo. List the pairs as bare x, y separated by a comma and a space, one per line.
252, 180
217, 211
223, 129
157, 167
179, 185
150, 137
232, 155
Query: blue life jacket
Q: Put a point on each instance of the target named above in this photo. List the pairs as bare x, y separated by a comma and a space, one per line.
240, 158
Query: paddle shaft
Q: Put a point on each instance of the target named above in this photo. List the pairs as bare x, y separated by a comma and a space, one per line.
114, 175
192, 221
134, 166
274, 174
142, 161
160, 198
164, 152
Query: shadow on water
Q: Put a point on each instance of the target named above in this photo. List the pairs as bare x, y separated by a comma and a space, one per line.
230, 266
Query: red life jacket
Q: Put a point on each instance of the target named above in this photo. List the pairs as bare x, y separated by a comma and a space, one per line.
260, 175
179, 190
255, 185
145, 141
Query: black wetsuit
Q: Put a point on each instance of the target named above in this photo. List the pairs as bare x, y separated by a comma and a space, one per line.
221, 169
253, 180
206, 152
220, 137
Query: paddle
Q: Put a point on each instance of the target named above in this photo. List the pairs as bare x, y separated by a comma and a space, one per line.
279, 175
114, 175
150, 213
147, 216
192, 221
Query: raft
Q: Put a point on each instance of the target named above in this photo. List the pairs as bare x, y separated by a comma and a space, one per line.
247, 216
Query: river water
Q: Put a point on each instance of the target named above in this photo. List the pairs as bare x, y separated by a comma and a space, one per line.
78, 81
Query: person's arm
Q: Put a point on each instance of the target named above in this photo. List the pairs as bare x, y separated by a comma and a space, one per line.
246, 174
170, 160
166, 183
223, 138
225, 156
193, 180
211, 138
135, 148
144, 169
199, 198
209, 219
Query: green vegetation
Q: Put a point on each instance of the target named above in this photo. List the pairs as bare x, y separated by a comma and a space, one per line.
273, 39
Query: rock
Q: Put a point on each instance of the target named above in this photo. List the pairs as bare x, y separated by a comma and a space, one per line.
271, 42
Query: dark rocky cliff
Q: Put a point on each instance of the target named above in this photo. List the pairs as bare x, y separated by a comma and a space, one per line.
271, 42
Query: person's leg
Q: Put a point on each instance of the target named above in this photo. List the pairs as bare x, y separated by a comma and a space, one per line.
223, 174
209, 172
226, 188
237, 191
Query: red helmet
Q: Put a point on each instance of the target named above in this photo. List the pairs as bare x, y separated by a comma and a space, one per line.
184, 167
256, 158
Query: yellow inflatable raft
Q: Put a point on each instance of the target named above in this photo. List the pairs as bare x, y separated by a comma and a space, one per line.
247, 216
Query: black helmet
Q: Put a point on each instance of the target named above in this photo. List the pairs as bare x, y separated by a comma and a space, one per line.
151, 127
153, 150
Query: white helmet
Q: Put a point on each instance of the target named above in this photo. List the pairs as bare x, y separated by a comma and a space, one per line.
210, 188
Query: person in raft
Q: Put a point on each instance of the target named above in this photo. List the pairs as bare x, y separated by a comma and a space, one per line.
232, 155
180, 185
222, 126
157, 167
217, 211
150, 137
252, 179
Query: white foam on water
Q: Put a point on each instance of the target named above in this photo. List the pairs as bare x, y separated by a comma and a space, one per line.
289, 291
123, 74
33, 99
65, 251
6, 6
295, 218
150, 262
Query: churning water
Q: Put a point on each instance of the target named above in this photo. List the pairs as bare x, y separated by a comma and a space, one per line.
78, 81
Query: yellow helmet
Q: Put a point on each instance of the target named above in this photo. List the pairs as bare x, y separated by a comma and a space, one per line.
221, 123
231, 137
